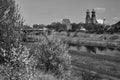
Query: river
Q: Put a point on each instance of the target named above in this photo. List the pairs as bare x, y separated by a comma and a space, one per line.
97, 50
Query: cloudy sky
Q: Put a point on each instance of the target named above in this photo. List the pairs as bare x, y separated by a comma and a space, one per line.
48, 11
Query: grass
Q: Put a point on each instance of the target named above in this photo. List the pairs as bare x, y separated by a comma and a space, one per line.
104, 40
85, 65
54, 54
95, 37
95, 66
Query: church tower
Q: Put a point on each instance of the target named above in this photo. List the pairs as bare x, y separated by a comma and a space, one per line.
93, 17
88, 20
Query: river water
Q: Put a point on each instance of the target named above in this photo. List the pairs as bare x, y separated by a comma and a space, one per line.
97, 50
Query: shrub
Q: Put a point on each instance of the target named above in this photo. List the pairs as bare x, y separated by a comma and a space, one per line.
52, 58
21, 63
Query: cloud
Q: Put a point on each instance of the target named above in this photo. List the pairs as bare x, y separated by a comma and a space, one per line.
116, 18
99, 9
100, 21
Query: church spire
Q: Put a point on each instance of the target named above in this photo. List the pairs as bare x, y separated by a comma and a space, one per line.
93, 17
88, 20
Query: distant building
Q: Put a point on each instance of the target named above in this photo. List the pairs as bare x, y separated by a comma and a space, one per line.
83, 29
91, 19
67, 23
88, 19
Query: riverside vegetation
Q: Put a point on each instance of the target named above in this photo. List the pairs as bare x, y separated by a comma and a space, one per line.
47, 59
44, 61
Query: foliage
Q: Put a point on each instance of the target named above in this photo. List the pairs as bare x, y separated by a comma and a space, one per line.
9, 19
52, 58
43, 76
90, 76
114, 37
74, 26
16, 68
95, 28
20, 63
57, 26
77, 27
40, 26
100, 29
115, 28
26, 27
11, 66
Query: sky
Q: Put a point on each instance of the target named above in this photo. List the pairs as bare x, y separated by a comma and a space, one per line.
48, 11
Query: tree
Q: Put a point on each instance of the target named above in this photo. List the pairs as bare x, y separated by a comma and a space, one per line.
40, 26
74, 26
9, 19
10, 48
57, 26
26, 27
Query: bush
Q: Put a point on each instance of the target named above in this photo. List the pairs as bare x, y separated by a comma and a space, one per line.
52, 58
20, 63
16, 68
43, 61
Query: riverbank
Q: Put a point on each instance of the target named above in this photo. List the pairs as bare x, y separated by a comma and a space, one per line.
105, 40
87, 64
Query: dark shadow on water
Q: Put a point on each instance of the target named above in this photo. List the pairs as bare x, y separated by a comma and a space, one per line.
94, 49
112, 49
73, 45
118, 49
91, 48
101, 48
78, 47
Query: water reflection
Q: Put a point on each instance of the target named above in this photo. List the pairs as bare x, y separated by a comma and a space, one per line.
111, 49
91, 49
101, 48
97, 49
118, 49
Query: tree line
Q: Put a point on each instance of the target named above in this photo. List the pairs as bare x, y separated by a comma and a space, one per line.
90, 28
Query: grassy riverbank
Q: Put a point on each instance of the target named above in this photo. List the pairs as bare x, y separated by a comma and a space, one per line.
105, 40
86, 64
